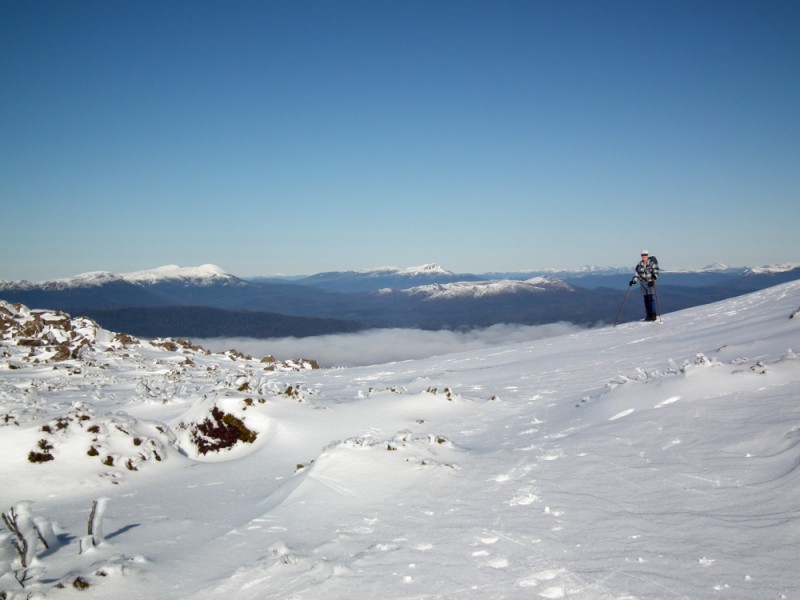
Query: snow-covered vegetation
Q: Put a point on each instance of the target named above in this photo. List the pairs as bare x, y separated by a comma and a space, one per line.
642, 461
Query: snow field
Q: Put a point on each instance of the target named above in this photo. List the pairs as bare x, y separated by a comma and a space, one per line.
642, 461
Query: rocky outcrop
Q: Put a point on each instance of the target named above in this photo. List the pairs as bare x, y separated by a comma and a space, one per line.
44, 336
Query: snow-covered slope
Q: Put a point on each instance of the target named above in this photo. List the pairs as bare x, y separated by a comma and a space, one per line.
638, 462
780, 268
202, 275
480, 289
91, 279
427, 269
558, 273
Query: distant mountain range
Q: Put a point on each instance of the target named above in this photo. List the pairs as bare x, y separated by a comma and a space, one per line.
206, 301
382, 278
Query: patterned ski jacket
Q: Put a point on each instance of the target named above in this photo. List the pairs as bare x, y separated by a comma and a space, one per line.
646, 275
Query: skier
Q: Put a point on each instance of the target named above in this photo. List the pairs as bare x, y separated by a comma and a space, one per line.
646, 275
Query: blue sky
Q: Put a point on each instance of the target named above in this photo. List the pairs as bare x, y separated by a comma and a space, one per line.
299, 137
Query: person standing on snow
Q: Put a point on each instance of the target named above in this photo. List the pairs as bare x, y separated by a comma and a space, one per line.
646, 275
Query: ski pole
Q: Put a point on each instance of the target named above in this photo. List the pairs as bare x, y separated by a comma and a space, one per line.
658, 304
619, 312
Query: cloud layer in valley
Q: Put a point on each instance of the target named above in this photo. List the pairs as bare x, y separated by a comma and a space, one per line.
378, 346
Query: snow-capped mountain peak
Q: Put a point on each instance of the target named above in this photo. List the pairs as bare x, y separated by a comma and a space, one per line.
203, 275
767, 269
716, 267
479, 289
88, 279
82, 280
428, 269
422, 270
208, 272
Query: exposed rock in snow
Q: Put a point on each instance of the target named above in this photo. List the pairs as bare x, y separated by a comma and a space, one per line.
44, 336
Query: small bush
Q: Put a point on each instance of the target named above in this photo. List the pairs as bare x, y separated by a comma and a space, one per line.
80, 584
44, 456
221, 431
40, 457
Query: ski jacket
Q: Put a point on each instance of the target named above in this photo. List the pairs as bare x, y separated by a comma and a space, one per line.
646, 275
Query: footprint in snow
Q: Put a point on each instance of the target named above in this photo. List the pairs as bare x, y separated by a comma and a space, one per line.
545, 577
485, 540
498, 562
495, 562
553, 455
524, 499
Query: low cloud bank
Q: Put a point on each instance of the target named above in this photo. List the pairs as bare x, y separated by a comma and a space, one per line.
378, 346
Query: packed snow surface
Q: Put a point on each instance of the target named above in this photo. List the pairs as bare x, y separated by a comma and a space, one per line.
650, 460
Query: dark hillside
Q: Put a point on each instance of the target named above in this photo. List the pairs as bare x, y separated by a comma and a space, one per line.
203, 322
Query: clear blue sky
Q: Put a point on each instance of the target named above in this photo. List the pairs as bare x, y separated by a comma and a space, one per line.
306, 136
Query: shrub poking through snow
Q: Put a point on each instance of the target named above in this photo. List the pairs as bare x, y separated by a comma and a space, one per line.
28, 533
220, 431
447, 392
80, 584
293, 392
94, 526
44, 456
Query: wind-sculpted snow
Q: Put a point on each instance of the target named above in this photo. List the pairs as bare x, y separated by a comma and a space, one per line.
638, 462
